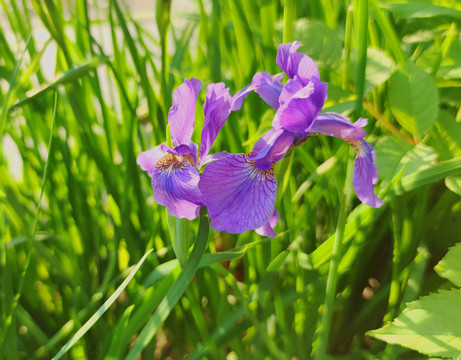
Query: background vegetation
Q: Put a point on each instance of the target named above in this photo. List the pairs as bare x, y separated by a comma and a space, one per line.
86, 86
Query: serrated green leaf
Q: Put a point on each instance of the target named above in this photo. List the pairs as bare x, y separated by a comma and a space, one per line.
430, 325
414, 99
450, 266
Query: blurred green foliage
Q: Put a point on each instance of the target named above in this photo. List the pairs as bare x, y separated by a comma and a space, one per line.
85, 86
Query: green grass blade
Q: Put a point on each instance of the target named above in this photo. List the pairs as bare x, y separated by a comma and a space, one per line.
101, 310
176, 290
69, 76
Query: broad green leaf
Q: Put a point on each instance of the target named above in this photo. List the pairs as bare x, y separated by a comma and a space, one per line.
446, 136
318, 41
389, 152
421, 10
450, 266
430, 325
378, 70
414, 100
454, 184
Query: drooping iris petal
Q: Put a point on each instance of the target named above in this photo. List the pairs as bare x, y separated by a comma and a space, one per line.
339, 126
175, 185
271, 147
239, 197
217, 108
294, 63
299, 106
181, 115
147, 160
268, 87
365, 174
268, 228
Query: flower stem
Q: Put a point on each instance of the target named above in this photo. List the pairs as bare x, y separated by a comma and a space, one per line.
332, 280
362, 44
289, 13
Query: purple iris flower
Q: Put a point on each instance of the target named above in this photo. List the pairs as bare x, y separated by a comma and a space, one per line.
240, 190
175, 170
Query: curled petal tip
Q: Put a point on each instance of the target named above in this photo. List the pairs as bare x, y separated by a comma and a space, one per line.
268, 228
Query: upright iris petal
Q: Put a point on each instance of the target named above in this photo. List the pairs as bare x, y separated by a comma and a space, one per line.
239, 196
181, 115
294, 63
175, 170
217, 109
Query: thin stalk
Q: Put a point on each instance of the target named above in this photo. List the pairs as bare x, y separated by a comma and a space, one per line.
391, 37
332, 280
362, 38
347, 46
289, 14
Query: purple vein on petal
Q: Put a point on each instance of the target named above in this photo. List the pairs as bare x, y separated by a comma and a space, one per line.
239, 196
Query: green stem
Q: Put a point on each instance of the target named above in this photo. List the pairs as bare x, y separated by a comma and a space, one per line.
332, 280
176, 291
362, 45
289, 13
179, 233
347, 47
391, 37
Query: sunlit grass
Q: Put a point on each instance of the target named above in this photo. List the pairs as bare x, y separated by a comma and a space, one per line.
109, 76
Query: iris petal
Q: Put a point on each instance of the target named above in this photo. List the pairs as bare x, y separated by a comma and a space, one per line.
147, 160
268, 228
300, 105
365, 174
271, 147
237, 99
181, 115
239, 197
294, 63
268, 87
175, 185
339, 126
217, 109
